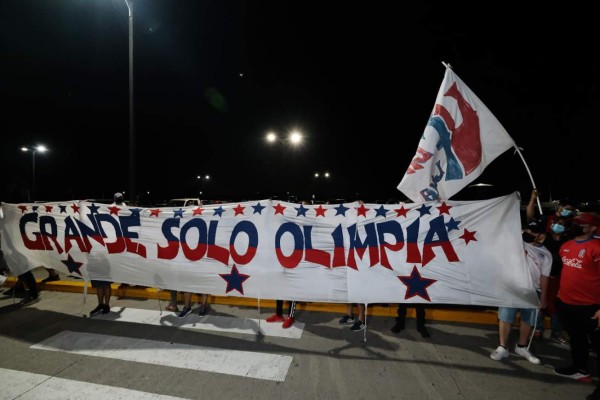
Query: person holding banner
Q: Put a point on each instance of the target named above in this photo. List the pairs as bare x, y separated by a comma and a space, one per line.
539, 261
400, 320
578, 303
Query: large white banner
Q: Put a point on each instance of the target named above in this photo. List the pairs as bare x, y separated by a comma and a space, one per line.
453, 252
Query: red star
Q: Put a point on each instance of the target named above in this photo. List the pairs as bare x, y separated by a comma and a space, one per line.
320, 211
362, 210
468, 236
444, 209
240, 210
48, 208
75, 208
401, 212
155, 212
23, 209
114, 210
279, 209
197, 211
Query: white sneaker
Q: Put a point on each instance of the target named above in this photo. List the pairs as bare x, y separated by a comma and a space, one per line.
499, 353
523, 352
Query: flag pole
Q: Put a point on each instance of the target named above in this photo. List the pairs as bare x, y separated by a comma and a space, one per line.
530, 176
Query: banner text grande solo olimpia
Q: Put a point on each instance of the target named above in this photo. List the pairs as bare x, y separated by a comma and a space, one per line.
452, 252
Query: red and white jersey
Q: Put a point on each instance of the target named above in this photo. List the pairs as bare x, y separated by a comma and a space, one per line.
580, 277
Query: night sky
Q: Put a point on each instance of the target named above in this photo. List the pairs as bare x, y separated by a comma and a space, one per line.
359, 80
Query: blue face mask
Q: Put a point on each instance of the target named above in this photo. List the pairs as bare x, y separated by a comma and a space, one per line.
558, 228
566, 213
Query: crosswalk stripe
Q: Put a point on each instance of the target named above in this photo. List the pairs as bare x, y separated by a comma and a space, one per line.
177, 355
217, 323
30, 386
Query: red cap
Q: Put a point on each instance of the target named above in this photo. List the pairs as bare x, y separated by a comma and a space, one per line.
587, 219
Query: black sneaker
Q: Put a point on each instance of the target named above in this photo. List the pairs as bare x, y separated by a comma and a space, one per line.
398, 327
99, 308
573, 373
358, 326
346, 320
202, 310
184, 313
423, 331
105, 309
29, 300
51, 278
16, 292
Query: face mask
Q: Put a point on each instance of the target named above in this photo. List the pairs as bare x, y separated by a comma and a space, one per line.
528, 237
566, 213
558, 228
577, 230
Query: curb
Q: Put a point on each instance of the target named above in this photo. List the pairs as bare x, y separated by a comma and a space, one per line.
435, 312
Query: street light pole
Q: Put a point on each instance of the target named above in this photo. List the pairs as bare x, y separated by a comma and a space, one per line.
132, 189
202, 178
33, 150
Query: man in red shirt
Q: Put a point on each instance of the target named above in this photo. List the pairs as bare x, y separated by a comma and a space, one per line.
578, 302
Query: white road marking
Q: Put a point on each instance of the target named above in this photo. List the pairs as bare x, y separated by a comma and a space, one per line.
209, 322
233, 362
29, 386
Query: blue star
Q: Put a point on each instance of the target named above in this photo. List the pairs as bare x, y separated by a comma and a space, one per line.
34, 208
301, 210
63, 209
135, 212
341, 210
380, 212
452, 224
234, 280
219, 211
416, 285
258, 208
424, 210
72, 265
178, 213
93, 209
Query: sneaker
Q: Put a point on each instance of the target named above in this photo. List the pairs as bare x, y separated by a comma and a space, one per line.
14, 291
559, 338
275, 318
29, 300
289, 321
499, 353
346, 320
51, 278
574, 373
172, 307
524, 352
399, 327
358, 326
99, 308
595, 395
184, 312
202, 310
424, 332
105, 309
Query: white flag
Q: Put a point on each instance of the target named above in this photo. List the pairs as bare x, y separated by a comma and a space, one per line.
461, 138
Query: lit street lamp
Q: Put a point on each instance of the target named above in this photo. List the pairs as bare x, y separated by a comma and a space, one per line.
33, 150
201, 179
295, 138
